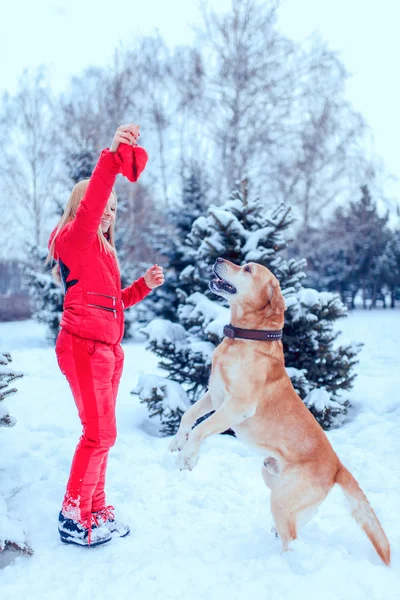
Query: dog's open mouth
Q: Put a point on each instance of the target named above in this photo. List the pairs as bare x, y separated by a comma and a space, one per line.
219, 284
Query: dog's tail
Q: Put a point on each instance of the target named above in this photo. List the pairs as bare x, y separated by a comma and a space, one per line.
363, 513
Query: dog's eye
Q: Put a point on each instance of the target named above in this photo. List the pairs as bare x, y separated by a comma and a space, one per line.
247, 268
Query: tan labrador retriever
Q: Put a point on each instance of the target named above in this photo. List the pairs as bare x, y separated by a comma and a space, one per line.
251, 393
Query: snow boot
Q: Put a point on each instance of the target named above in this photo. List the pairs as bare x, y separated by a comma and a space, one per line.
105, 517
87, 532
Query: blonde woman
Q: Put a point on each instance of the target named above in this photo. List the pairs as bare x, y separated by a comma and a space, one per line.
88, 346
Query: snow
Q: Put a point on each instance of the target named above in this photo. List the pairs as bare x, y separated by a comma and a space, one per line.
213, 315
187, 272
310, 298
225, 219
202, 347
10, 529
163, 330
292, 372
4, 412
319, 398
254, 238
215, 241
205, 534
174, 396
259, 255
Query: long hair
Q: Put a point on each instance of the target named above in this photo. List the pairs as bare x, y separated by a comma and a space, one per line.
106, 245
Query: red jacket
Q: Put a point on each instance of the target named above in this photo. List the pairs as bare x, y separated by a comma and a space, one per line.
94, 301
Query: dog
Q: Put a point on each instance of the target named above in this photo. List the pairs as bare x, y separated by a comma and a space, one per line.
251, 393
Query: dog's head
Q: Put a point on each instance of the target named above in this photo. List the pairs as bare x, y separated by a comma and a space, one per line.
252, 288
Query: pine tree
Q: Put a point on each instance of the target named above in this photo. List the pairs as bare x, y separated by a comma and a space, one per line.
389, 267
164, 301
7, 375
345, 257
165, 399
11, 535
80, 165
241, 231
46, 296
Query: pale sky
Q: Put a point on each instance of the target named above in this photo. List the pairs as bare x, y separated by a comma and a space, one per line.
69, 35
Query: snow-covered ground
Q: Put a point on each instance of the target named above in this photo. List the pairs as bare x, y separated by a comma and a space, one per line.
203, 534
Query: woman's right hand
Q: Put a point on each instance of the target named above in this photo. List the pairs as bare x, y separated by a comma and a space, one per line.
125, 134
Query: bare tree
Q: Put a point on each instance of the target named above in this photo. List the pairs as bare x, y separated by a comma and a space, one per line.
153, 88
96, 103
243, 103
137, 220
325, 158
188, 74
249, 83
29, 165
83, 120
120, 90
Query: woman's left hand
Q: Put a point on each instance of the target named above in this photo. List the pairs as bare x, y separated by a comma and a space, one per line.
154, 277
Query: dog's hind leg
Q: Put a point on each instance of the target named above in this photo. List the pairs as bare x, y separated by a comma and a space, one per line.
283, 506
270, 471
197, 410
292, 506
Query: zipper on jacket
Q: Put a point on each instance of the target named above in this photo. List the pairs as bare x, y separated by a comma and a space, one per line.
114, 298
104, 308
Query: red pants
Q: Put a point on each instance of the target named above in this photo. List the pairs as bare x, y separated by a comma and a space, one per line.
93, 371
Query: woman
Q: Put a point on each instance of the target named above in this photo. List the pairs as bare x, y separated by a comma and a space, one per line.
88, 346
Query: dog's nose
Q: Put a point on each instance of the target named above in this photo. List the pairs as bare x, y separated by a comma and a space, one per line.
219, 259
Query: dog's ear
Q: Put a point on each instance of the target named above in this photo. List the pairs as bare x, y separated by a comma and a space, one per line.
276, 299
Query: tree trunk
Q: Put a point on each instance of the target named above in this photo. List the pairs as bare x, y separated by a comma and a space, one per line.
352, 304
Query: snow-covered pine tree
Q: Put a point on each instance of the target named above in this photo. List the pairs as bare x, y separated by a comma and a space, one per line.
164, 301
46, 296
242, 230
165, 399
11, 534
126, 279
80, 164
345, 255
389, 267
7, 375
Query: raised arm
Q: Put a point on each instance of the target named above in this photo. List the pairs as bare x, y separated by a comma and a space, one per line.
83, 229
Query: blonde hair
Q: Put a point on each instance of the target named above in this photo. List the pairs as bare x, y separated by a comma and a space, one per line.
77, 194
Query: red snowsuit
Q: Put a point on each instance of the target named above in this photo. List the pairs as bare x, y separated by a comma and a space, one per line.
88, 346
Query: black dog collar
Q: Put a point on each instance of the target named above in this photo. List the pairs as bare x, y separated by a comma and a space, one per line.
252, 334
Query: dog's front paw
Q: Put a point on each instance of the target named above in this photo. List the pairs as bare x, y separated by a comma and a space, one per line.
177, 442
186, 462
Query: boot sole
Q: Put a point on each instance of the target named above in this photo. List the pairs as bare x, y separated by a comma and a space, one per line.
125, 534
117, 535
68, 540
